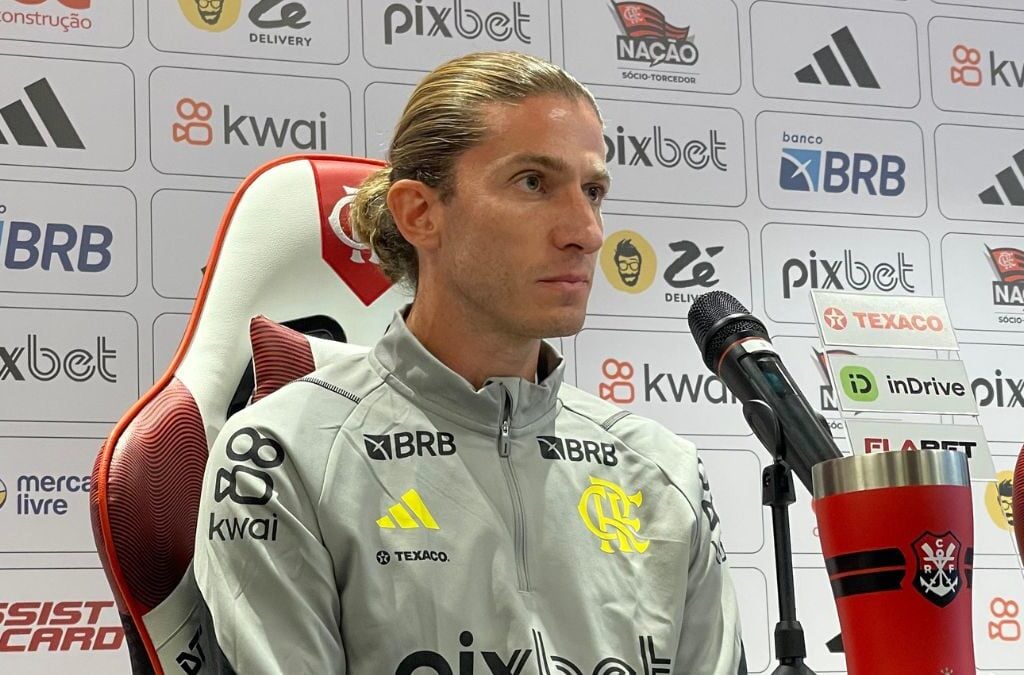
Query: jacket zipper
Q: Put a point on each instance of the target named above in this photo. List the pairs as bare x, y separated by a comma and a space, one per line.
518, 512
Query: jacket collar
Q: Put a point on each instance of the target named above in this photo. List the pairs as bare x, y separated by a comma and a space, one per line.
402, 360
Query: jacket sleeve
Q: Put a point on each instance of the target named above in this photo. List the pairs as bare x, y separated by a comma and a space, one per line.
267, 580
710, 642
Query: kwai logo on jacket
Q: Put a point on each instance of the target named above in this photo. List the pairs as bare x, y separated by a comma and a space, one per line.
426, 661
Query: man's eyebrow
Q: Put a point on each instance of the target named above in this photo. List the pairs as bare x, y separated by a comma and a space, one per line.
554, 164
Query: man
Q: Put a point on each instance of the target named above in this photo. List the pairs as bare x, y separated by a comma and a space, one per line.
443, 503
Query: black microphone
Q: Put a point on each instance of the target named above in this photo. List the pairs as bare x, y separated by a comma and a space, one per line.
736, 347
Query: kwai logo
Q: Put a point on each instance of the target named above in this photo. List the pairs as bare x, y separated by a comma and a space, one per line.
51, 15
851, 272
247, 486
648, 38
649, 148
455, 19
662, 387
199, 125
41, 363
973, 67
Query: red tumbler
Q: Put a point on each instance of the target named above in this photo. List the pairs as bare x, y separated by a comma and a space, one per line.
897, 534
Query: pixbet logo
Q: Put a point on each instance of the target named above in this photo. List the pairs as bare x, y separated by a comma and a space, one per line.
26, 245
197, 125
406, 444
439, 21
45, 364
968, 70
848, 273
646, 150
998, 391
836, 171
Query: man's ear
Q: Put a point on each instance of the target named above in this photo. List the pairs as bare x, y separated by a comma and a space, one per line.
414, 205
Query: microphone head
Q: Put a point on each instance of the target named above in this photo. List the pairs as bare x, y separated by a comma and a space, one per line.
715, 319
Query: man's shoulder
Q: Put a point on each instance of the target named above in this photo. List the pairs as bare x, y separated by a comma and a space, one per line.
637, 431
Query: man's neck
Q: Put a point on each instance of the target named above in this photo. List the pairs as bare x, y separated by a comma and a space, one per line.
474, 351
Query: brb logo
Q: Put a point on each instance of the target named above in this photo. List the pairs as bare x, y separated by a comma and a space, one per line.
197, 127
837, 172
453, 18
27, 245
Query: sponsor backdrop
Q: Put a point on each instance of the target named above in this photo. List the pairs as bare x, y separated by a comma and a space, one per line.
760, 147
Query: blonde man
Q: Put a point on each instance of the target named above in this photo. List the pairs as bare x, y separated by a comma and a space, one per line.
445, 503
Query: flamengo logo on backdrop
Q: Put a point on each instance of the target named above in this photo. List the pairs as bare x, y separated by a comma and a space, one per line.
968, 69
66, 625
650, 39
1010, 182
1009, 267
850, 273
45, 364
442, 19
197, 127
646, 150
619, 387
23, 129
28, 245
831, 61
835, 171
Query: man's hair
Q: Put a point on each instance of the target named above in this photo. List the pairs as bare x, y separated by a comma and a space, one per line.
443, 118
626, 249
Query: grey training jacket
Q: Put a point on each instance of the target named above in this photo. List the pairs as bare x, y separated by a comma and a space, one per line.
379, 516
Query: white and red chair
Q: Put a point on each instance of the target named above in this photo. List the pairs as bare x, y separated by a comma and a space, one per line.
283, 251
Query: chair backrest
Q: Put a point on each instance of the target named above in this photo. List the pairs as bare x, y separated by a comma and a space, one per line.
283, 250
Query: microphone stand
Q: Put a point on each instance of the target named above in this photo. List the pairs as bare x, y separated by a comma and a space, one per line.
777, 492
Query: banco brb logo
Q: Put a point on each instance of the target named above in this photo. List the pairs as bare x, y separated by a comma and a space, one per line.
858, 383
605, 509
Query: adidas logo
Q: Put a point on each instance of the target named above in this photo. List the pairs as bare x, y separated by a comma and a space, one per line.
50, 112
1010, 181
409, 514
831, 64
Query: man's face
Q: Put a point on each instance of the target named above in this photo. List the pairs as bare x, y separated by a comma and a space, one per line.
629, 269
520, 234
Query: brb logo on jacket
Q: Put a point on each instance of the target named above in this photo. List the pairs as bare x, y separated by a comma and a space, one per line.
838, 171
249, 482
58, 246
199, 125
454, 18
406, 444
576, 450
605, 509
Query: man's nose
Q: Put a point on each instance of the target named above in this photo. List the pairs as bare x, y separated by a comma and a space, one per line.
581, 225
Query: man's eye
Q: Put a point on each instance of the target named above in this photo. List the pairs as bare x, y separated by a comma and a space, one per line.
531, 182
595, 193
